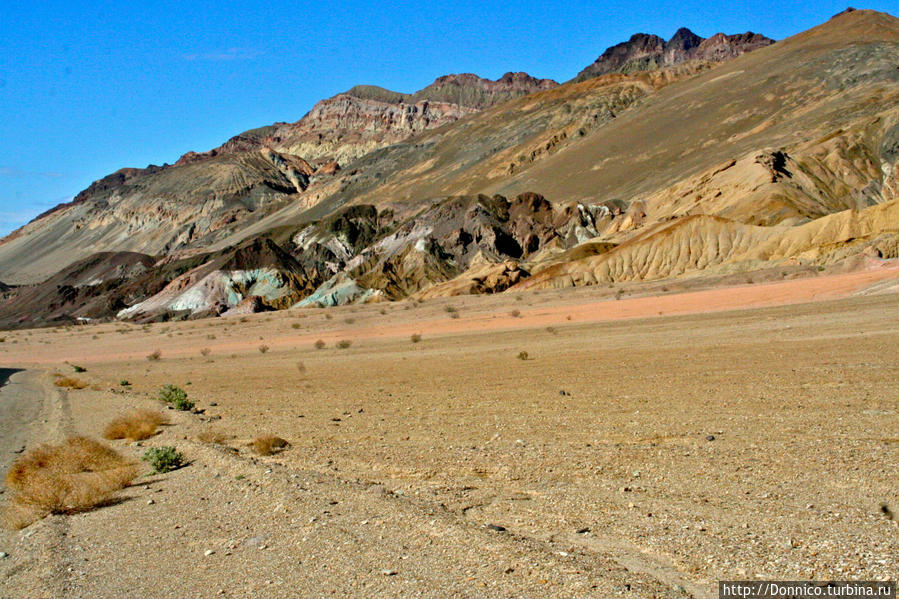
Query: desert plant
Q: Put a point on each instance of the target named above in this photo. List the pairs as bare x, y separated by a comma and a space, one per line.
124, 383
344, 343
212, 437
77, 368
268, 444
515, 313
263, 348
73, 476
296, 325
70, 383
551, 330
349, 320
205, 351
449, 309
523, 355
176, 397
319, 344
135, 426
454, 315
416, 337
155, 356
301, 367
164, 459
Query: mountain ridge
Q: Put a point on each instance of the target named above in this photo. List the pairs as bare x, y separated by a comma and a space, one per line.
647, 51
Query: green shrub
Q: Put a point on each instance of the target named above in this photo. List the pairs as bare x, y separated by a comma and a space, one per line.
125, 383
344, 343
77, 368
164, 459
176, 397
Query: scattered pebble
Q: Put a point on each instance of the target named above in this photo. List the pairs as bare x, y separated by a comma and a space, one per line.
208, 552
710, 438
388, 572
496, 527
213, 404
150, 502
3, 554
583, 531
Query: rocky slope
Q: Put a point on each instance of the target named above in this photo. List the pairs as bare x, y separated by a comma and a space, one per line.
206, 196
644, 52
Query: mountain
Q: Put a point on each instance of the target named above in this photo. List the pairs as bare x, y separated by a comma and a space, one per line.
779, 160
644, 52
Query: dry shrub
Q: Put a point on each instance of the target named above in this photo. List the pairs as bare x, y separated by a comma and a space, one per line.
73, 476
344, 343
268, 444
135, 426
70, 383
212, 437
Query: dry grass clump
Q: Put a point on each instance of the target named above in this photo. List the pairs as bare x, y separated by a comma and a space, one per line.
268, 444
415, 338
135, 426
155, 356
212, 437
70, 383
319, 344
73, 476
344, 343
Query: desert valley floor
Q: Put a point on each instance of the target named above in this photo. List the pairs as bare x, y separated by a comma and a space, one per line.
543, 444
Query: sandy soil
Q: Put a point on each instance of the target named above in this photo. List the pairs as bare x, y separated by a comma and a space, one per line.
630, 454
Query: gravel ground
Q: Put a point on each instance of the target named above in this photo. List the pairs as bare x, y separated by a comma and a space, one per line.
638, 458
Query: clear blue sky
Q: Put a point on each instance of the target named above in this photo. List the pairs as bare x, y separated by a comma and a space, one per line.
87, 88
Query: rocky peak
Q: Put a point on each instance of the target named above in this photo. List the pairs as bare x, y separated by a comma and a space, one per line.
683, 39
472, 91
644, 52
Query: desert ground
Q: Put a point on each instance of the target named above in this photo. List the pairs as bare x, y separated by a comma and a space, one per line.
544, 444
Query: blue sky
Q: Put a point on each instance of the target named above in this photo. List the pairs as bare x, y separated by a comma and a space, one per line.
87, 88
